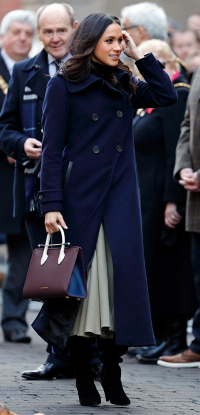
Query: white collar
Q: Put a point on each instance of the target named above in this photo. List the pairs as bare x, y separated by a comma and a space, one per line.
8, 61
51, 58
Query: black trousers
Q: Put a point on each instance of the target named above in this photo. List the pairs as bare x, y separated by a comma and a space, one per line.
14, 305
195, 240
37, 235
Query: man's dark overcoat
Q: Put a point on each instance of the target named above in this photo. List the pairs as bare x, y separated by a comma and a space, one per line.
169, 271
89, 173
12, 137
8, 224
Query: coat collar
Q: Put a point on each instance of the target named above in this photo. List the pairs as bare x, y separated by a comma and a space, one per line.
38, 82
4, 70
91, 79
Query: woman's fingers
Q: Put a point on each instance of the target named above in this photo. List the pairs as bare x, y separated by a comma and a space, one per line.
52, 220
169, 223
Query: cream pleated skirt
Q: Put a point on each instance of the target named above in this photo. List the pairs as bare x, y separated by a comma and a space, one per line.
96, 313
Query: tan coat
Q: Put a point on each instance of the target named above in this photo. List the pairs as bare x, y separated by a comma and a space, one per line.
188, 152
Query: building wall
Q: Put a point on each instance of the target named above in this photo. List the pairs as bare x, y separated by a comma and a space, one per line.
178, 9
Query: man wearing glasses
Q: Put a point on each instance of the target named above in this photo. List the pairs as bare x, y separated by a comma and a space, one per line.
144, 21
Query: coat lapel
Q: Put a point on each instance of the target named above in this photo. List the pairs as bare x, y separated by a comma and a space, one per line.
38, 82
4, 70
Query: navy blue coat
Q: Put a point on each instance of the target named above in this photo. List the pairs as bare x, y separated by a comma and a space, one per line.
12, 137
89, 173
8, 224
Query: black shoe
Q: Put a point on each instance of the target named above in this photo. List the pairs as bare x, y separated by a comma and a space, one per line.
49, 371
133, 351
96, 370
166, 348
111, 383
16, 336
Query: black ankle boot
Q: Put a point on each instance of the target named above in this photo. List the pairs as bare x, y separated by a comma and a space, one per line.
111, 372
112, 385
87, 391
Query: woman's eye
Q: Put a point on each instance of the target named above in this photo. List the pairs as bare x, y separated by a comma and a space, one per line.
120, 40
109, 40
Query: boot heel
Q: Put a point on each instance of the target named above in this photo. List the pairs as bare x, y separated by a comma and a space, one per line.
107, 396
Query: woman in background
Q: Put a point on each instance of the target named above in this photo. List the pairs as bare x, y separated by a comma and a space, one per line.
166, 244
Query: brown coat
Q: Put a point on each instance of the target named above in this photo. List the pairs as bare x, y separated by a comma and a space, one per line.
188, 152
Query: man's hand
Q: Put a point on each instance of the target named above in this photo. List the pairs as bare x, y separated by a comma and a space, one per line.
52, 220
172, 217
11, 160
32, 148
189, 180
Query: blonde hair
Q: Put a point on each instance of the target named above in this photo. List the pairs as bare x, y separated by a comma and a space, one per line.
161, 50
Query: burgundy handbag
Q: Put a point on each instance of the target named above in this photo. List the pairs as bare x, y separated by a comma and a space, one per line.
56, 272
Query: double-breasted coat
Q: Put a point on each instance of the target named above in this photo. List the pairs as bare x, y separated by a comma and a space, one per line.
155, 135
89, 173
188, 151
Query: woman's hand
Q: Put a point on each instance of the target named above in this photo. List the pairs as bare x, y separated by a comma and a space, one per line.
129, 47
172, 217
52, 220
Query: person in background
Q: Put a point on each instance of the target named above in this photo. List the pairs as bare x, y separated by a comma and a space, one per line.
193, 23
144, 21
166, 244
17, 30
183, 42
192, 61
187, 172
172, 26
21, 138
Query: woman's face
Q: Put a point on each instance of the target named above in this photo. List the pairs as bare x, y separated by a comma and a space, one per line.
109, 47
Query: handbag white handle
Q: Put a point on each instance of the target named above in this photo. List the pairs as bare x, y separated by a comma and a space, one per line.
62, 250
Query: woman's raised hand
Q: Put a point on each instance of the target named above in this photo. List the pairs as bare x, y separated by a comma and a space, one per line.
52, 220
129, 47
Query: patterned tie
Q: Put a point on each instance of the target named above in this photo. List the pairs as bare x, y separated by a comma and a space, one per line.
58, 63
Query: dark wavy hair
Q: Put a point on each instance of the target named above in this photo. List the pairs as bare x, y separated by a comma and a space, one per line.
82, 44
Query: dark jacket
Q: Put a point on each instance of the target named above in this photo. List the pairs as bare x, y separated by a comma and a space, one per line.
11, 122
89, 173
169, 273
8, 224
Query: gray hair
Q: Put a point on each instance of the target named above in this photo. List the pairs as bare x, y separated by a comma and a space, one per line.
68, 8
22, 16
149, 15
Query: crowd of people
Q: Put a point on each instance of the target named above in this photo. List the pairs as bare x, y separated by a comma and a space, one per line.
71, 111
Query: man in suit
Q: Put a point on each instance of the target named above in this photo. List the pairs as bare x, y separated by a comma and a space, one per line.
17, 30
187, 171
21, 135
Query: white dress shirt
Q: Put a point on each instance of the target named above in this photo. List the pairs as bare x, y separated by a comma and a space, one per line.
52, 66
8, 61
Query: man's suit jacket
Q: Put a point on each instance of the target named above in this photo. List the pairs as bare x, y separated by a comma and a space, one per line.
8, 224
188, 152
11, 118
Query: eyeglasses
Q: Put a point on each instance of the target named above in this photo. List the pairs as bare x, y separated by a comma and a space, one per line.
129, 27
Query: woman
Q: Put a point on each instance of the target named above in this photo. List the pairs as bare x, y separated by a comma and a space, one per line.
88, 149
166, 244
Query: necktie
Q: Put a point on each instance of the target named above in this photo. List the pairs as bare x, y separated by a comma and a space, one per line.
58, 63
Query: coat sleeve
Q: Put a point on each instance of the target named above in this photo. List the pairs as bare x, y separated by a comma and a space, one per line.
11, 139
54, 122
183, 159
158, 90
172, 118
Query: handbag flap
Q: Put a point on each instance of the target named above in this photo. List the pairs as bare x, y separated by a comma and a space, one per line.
50, 279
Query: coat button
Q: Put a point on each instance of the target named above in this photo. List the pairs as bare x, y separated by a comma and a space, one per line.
95, 117
119, 148
40, 197
119, 114
95, 149
11, 154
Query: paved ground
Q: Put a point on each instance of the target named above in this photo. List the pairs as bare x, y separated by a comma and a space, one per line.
153, 390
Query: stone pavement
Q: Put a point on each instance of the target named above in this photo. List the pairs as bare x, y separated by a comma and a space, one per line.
153, 390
